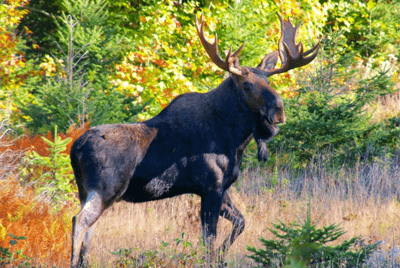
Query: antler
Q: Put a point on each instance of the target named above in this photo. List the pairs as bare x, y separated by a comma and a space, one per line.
212, 51
290, 53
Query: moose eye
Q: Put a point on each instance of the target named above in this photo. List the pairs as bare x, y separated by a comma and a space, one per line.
247, 85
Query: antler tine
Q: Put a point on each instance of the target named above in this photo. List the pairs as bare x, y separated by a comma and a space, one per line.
314, 50
212, 51
292, 55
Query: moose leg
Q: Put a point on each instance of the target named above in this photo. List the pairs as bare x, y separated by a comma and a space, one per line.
210, 208
87, 241
231, 213
82, 228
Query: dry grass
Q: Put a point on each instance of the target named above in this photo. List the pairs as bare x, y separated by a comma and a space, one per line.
9, 156
363, 200
385, 107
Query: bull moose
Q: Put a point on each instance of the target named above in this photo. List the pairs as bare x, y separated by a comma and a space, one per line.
195, 145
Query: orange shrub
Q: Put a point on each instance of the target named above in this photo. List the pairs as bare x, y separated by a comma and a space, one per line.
36, 143
74, 133
47, 232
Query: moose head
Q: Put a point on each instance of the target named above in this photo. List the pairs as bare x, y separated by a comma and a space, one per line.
261, 98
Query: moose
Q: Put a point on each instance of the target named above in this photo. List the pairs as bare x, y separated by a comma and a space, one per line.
195, 145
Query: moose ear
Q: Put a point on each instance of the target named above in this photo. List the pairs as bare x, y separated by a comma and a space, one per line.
269, 61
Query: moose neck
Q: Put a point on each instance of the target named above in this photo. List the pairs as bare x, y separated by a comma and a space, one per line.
228, 102
220, 115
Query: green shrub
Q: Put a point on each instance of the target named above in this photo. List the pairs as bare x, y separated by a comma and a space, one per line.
369, 27
50, 175
303, 245
328, 113
77, 86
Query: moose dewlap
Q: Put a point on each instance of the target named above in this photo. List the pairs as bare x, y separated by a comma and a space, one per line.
194, 145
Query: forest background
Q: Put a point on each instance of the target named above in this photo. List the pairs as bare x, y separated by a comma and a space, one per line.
68, 65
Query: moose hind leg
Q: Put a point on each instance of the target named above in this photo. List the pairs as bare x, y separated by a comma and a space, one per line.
82, 228
87, 241
231, 213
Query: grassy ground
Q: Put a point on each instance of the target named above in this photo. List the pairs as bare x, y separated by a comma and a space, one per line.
363, 200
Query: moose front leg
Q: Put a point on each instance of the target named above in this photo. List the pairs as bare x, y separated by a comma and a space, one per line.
231, 213
262, 150
210, 209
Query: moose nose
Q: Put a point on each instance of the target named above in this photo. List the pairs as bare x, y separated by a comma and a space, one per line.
282, 119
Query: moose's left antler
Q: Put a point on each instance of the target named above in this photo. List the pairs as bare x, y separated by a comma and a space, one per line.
290, 53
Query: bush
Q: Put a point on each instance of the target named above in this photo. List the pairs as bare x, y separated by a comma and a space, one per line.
304, 246
47, 231
369, 27
76, 85
328, 113
52, 175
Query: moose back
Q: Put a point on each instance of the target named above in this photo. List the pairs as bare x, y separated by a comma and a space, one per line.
194, 145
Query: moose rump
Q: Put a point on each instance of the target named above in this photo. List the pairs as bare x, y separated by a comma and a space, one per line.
195, 145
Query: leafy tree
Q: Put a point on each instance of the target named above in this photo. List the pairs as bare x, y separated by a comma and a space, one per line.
168, 60
76, 86
41, 22
14, 69
370, 27
328, 114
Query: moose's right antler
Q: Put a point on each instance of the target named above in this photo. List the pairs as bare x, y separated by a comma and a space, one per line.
290, 53
212, 51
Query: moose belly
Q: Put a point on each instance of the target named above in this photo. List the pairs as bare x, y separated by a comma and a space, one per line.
144, 187
195, 174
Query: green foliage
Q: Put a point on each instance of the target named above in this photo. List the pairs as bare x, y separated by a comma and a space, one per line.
260, 28
370, 27
385, 139
303, 245
57, 180
165, 61
80, 90
42, 26
328, 113
95, 74
166, 256
16, 259
14, 69
165, 57
87, 35
169, 60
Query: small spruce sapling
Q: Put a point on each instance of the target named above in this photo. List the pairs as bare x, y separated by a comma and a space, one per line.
303, 245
